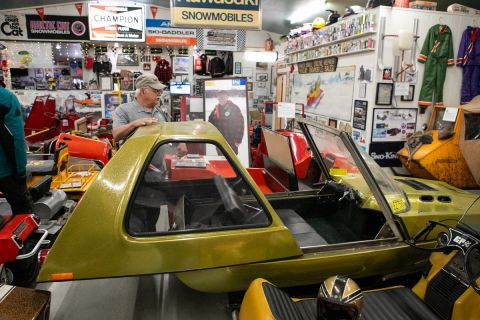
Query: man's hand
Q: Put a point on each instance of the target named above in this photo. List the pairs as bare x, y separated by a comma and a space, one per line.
143, 122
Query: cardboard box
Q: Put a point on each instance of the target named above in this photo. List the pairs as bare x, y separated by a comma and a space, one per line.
424, 5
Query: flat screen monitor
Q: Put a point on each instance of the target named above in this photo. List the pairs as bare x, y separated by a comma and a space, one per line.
183, 88
17, 72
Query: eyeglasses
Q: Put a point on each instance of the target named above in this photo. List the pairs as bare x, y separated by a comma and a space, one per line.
157, 91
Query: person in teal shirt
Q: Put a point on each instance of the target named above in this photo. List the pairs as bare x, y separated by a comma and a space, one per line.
13, 157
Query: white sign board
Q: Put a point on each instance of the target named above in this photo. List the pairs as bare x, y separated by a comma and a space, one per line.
450, 114
13, 27
116, 22
286, 110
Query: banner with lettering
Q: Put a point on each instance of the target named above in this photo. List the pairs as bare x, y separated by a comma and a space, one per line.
117, 22
162, 33
57, 27
231, 14
13, 27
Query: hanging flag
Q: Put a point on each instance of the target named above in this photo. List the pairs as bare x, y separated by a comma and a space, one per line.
154, 11
41, 13
79, 7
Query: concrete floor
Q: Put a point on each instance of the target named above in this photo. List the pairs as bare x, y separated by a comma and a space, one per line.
133, 298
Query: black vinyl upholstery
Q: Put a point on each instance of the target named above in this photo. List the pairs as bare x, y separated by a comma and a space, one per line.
395, 304
388, 304
283, 308
305, 235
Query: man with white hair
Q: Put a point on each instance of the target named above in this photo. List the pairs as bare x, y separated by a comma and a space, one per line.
143, 110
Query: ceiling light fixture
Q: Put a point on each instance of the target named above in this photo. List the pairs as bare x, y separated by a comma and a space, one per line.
307, 11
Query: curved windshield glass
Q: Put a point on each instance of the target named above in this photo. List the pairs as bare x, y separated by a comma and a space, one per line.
341, 165
471, 216
396, 197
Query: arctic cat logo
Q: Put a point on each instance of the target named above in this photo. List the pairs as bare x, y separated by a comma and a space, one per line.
386, 156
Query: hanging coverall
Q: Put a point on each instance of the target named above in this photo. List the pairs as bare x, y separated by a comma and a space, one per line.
469, 59
437, 54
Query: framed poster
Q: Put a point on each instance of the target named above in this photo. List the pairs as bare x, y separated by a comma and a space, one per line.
226, 107
411, 93
360, 114
180, 64
326, 94
127, 60
393, 125
110, 102
384, 94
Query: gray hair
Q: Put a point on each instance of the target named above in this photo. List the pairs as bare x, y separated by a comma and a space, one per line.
137, 92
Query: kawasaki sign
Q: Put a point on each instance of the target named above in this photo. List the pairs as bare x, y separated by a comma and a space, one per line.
233, 14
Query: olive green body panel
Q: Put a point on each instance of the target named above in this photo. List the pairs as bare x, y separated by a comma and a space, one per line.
445, 202
94, 242
311, 268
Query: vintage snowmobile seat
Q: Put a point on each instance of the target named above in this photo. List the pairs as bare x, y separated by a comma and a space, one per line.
305, 235
396, 303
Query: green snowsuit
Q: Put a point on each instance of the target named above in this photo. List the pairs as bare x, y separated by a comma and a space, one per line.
437, 53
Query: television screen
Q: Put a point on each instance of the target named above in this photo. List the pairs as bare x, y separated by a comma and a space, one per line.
17, 72
180, 88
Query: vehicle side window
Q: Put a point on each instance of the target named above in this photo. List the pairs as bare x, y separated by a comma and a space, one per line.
199, 191
472, 126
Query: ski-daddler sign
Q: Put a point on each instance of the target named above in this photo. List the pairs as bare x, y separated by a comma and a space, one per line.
116, 22
232, 14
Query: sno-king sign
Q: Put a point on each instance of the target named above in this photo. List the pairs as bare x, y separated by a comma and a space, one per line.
162, 33
227, 14
116, 22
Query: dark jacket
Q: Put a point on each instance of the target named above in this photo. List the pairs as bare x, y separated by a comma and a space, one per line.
229, 121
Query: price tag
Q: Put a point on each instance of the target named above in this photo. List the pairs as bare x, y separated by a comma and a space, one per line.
338, 172
398, 205
450, 114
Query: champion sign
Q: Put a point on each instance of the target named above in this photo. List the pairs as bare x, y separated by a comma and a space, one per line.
117, 23
160, 32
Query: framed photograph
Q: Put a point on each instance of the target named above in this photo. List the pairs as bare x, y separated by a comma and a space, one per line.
387, 74
332, 123
238, 68
127, 60
249, 86
261, 65
384, 94
111, 102
393, 124
262, 77
147, 66
106, 83
180, 64
411, 94
360, 114
226, 107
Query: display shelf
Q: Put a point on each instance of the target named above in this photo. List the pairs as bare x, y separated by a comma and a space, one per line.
369, 33
334, 55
